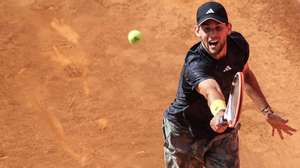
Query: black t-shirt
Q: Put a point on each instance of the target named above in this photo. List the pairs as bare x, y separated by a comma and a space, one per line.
190, 109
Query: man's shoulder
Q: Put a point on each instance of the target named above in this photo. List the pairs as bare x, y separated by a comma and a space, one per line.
236, 35
238, 48
195, 53
194, 50
239, 40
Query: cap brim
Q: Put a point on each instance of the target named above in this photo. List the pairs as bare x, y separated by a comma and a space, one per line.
215, 18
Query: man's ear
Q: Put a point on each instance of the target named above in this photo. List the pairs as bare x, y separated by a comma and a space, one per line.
229, 26
197, 30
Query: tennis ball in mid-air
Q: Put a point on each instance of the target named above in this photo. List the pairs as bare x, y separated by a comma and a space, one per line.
134, 36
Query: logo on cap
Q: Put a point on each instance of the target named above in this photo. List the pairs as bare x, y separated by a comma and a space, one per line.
209, 11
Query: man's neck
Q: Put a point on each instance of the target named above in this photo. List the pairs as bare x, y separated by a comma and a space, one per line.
222, 53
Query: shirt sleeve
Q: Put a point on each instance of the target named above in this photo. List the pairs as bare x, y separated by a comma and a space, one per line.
243, 45
246, 54
196, 71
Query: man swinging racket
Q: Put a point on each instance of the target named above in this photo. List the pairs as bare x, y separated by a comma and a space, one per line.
196, 127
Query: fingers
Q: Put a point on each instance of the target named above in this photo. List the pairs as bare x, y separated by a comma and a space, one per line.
222, 121
218, 124
280, 125
288, 130
220, 127
284, 128
280, 133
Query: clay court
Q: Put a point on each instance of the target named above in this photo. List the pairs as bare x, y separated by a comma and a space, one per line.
74, 93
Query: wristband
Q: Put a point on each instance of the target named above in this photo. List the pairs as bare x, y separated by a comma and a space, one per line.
216, 106
267, 110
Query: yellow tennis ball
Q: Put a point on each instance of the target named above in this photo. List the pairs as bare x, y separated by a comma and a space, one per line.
134, 36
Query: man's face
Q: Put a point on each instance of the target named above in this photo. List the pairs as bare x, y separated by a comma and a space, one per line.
213, 35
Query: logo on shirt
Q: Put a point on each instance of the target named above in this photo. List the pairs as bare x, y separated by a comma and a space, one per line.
227, 68
210, 11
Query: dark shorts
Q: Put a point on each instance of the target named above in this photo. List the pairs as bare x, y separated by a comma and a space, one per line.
182, 150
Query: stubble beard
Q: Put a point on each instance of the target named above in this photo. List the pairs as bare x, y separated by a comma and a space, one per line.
217, 52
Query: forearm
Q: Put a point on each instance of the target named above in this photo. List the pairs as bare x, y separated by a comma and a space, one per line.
215, 100
210, 90
213, 94
253, 90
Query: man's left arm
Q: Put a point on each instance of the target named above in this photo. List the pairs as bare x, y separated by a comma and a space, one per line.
254, 92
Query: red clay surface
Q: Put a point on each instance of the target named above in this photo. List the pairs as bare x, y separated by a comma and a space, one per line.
74, 93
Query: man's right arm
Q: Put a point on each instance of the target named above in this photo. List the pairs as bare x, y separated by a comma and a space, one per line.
211, 90
196, 74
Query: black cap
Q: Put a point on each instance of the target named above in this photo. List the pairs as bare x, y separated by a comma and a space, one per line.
211, 10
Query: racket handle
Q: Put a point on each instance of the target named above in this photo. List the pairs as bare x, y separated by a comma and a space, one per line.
222, 120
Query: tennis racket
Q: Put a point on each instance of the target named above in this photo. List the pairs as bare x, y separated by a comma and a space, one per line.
234, 104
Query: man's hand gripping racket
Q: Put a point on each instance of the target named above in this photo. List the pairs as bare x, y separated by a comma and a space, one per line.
230, 117
234, 104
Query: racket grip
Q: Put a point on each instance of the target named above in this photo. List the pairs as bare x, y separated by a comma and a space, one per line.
222, 120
